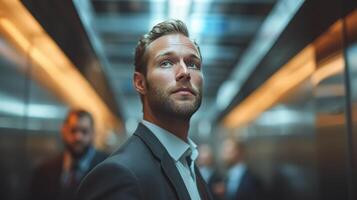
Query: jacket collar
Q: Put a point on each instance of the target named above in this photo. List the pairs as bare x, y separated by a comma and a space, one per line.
167, 163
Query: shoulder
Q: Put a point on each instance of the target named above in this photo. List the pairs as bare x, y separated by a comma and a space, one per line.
251, 179
110, 179
137, 156
54, 163
120, 176
134, 171
250, 175
133, 150
46, 174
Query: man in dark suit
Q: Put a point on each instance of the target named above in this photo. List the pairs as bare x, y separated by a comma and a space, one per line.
210, 173
241, 184
58, 178
157, 161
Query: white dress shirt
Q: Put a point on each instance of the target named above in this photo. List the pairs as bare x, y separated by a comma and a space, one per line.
179, 150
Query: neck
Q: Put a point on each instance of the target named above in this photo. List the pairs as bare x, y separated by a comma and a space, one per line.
178, 127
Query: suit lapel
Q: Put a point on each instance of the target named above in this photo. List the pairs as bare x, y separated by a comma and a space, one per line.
174, 176
167, 163
202, 186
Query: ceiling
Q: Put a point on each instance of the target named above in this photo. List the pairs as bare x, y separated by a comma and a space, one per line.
100, 36
223, 29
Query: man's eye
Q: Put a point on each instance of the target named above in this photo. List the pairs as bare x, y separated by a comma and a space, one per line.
193, 65
166, 64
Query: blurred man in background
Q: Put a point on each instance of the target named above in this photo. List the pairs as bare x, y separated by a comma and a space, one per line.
241, 184
58, 178
209, 171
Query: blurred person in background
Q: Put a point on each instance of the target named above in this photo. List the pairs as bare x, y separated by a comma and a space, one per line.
209, 171
241, 184
58, 178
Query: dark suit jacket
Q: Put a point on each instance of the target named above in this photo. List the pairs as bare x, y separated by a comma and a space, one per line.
46, 181
140, 169
214, 179
250, 188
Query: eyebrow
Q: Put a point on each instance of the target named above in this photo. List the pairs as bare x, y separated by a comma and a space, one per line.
169, 53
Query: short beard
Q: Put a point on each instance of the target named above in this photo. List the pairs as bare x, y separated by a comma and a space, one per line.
74, 153
162, 105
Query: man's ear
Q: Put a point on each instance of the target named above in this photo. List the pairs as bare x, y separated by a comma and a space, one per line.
139, 83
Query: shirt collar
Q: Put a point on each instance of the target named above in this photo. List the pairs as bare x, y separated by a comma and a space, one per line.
176, 147
193, 152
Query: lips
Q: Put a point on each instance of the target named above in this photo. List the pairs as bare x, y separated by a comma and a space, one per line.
185, 89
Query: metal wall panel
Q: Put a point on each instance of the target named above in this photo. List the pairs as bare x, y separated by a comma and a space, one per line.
30, 118
351, 81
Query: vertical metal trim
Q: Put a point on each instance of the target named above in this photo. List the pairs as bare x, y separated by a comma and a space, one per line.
348, 113
27, 88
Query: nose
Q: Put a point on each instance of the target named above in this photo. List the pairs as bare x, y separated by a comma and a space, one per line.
183, 72
78, 135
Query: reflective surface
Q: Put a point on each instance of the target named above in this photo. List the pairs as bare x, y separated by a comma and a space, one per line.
303, 146
30, 119
351, 60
